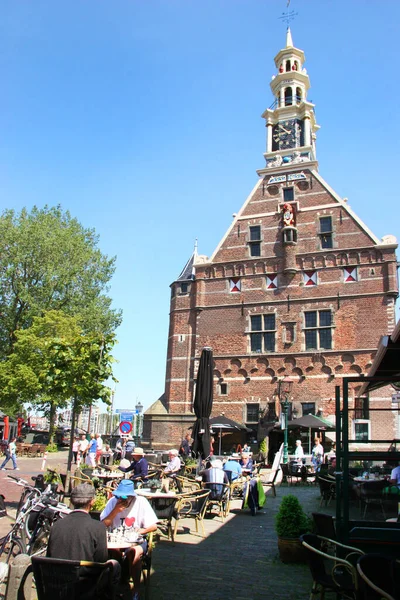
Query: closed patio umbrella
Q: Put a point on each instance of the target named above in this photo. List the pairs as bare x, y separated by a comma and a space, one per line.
203, 401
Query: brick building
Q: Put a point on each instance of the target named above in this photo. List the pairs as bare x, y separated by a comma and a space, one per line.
298, 287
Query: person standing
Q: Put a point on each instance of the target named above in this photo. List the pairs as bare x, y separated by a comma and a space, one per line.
11, 453
299, 453
75, 450
91, 457
317, 454
99, 447
83, 447
185, 448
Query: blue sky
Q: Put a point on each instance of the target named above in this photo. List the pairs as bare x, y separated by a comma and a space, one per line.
142, 117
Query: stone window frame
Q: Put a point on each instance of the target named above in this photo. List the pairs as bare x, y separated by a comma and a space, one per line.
252, 404
226, 387
262, 331
361, 422
318, 327
254, 243
329, 235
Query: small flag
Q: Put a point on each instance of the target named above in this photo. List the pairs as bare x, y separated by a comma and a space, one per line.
288, 2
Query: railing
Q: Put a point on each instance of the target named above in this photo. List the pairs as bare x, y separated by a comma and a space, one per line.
286, 102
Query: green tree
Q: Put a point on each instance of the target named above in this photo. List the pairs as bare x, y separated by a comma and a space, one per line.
54, 361
49, 261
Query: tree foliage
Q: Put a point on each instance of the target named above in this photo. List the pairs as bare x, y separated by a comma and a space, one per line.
54, 361
49, 261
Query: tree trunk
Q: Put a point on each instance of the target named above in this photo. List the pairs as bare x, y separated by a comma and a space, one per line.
71, 441
52, 419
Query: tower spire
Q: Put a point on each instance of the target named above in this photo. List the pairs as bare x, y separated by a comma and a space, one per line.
289, 41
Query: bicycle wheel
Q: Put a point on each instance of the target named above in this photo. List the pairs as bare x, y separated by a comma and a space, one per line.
10, 548
39, 545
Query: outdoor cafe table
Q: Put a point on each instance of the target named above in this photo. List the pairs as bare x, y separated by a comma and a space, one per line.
152, 495
364, 480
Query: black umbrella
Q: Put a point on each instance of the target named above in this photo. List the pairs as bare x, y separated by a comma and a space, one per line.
203, 401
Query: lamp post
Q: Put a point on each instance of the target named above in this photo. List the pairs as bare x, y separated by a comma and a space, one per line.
138, 408
284, 389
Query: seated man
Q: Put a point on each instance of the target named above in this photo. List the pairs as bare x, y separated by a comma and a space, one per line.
233, 469
139, 466
79, 537
214, 473
246, 463
171, 469
133, 511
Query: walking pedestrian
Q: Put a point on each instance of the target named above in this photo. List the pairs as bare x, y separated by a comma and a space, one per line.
11, 453
75, 450
99, 447
91, 457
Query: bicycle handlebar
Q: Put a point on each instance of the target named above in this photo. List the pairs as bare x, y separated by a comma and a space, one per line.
19, 480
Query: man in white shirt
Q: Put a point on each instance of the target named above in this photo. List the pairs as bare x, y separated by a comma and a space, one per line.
133, 512
83, 447
171, 469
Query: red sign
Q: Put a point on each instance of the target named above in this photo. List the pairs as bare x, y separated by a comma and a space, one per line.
125, 427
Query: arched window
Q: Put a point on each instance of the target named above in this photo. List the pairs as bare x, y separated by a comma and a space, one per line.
298, 95
288, 65
288, 96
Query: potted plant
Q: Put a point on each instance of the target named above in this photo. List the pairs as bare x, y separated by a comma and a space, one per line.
100, 501
290, 523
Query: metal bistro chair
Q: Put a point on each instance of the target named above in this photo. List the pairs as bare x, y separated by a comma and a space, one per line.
219, 496
378, 577
59, 579
329, 572
327, 487
192, 506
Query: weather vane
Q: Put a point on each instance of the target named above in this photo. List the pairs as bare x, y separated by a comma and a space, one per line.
288, 16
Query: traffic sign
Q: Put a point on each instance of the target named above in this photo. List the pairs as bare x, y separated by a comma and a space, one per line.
126, 416
125, 427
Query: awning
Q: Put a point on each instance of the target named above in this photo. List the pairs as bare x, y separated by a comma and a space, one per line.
312, 422
386, 362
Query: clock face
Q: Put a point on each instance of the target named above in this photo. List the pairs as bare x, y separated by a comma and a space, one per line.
287, 134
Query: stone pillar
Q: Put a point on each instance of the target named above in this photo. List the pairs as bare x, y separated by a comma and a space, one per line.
307, 131
19, 585
269, 137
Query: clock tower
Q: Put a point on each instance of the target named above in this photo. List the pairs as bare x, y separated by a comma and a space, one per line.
290, 121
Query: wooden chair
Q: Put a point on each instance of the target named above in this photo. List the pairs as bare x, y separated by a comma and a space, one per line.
192, 506
272, 480
378, 577
329, 572
72, 579
219, 496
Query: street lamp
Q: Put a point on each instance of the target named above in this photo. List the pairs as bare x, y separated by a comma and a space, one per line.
138, 408
284, 389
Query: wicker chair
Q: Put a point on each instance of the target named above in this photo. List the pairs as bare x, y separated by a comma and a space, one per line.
165, 510
65, 579
192, 506
327, 487
188, 485
378, 577
219, 496
329, 572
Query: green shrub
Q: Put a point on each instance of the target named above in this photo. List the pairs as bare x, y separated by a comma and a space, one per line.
263, 446
52, 448
100, 501
291, 521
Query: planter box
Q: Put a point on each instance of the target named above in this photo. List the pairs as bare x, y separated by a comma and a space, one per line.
291, 550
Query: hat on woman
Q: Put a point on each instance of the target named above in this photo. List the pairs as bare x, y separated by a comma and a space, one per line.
125, 488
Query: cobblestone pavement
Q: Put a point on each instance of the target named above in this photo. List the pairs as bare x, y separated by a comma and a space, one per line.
238, 559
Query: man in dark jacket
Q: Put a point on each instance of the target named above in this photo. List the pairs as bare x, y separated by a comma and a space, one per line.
79, 537
139, 466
